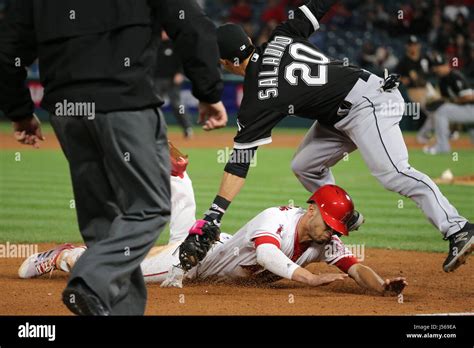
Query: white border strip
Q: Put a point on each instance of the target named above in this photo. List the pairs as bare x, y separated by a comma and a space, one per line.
310, 16
446, 314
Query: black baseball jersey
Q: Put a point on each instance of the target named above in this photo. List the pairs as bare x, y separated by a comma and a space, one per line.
454, 85
104, 55
290, 76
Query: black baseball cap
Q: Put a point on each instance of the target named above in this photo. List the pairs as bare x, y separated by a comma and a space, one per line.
437, 59
233, 42
412, 39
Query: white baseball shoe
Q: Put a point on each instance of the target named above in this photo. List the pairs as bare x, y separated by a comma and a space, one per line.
41, 263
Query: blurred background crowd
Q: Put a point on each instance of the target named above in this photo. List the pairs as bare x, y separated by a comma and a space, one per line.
369, 33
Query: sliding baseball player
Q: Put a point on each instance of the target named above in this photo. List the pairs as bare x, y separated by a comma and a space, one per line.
277, 243
183, 211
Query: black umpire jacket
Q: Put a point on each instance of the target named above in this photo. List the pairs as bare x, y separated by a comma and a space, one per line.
102, 51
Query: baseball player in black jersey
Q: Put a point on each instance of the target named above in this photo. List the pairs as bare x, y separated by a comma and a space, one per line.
414, 70
455, 106
352, 109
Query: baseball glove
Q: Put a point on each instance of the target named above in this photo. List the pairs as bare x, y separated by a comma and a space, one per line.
195, 246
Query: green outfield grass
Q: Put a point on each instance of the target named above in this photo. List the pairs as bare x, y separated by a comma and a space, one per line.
6, 128
35, 196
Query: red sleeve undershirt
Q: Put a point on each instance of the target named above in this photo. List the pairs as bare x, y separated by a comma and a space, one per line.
346, 262
266, 240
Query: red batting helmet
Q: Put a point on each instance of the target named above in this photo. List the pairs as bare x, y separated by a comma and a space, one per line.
335, 205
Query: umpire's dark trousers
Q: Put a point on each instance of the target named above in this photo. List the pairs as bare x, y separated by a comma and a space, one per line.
119, 164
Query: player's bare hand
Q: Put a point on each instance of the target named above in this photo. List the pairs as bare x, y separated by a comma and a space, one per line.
178, 79
394, 286
28, 131
212, 116
324, 279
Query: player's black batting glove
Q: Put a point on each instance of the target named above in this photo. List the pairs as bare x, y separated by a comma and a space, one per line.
200, 239
390, 82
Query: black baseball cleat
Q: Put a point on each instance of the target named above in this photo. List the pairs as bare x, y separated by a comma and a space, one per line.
80, 300
356, 220
461, 245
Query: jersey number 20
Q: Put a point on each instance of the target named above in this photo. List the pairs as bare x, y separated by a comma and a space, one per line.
310, 56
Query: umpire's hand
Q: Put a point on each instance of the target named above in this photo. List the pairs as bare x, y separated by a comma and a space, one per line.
212, 116
28, 131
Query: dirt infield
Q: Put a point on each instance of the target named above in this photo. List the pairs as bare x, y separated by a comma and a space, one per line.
430, 290
217, 139
466, 180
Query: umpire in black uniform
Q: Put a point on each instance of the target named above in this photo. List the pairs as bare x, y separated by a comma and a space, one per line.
96, 60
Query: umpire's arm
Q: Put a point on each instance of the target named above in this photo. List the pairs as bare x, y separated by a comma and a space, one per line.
17, 51
195, 40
